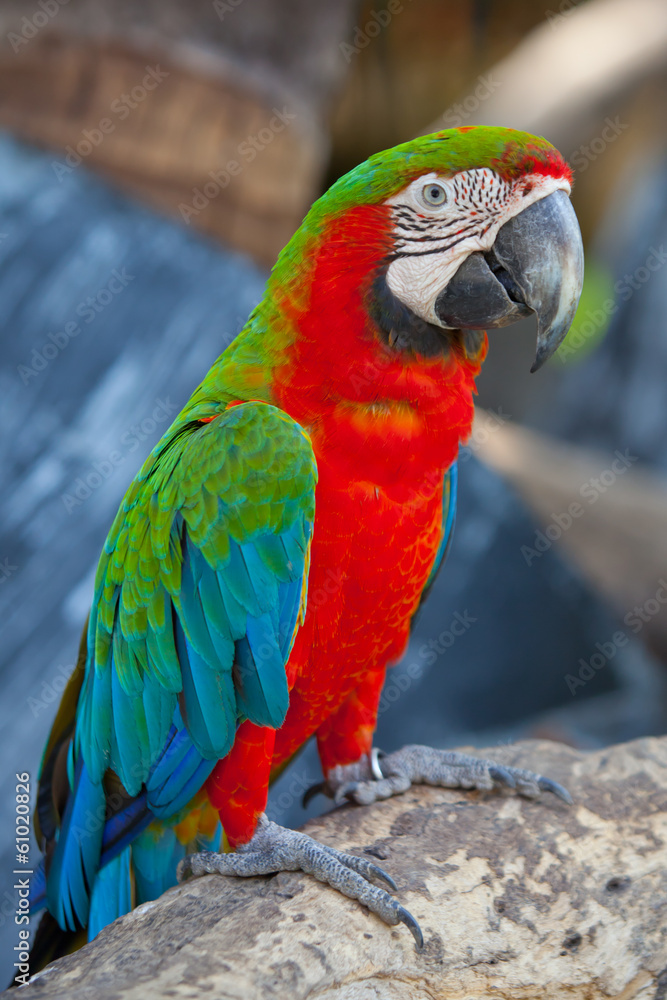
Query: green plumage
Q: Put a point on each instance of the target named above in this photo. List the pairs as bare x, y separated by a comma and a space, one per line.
216, 523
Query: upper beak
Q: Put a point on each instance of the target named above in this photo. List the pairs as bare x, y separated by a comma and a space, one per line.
536, 265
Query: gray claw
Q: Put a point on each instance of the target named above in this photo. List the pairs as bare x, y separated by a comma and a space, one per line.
310, 793
381, 874
501, 774
361, 865
406, 918
547, 785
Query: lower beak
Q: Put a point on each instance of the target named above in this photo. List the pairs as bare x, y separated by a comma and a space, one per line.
536, 265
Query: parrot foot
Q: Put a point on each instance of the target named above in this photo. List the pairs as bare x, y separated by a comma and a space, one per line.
274, 848
382, 776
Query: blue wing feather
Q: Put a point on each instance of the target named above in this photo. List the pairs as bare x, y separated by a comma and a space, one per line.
112, 893
77, 853
450, 484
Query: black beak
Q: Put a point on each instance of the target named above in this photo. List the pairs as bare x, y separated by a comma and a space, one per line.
536, 265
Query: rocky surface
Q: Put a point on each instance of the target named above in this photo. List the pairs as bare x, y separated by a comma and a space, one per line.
517, 899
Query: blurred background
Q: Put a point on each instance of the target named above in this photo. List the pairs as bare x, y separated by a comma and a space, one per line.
155, 157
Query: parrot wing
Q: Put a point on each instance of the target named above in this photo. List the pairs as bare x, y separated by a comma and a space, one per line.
199, 592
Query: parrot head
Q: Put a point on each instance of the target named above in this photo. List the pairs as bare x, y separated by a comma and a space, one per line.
477, 231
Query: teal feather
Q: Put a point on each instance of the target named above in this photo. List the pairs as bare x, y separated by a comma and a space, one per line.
162, 651
263, 581
236, 613
112, 893
448, 519
159, 706
130, 753
262, 694
271, 550
77, 852
239, 583
95, 722
211, 646
155, 857
208, 702
178, 774
290, 600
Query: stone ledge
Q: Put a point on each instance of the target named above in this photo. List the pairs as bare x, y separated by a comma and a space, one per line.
517, 899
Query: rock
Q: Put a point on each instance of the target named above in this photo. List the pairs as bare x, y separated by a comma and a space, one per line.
517, 899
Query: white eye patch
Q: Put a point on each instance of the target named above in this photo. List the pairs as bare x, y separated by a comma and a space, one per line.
439, 221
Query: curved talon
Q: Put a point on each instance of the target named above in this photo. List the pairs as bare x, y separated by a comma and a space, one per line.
501, 774
547, 785
406, 918
361, 865
310, 793
384, 877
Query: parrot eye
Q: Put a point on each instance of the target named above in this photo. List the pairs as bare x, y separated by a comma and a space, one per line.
434, 194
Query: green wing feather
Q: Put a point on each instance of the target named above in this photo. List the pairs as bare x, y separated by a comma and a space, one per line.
199, 591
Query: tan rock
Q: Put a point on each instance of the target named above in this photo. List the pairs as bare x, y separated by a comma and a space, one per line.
516, 898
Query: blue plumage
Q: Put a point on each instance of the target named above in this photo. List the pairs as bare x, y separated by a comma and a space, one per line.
178, 774
448, 519
112, 893
262, 694
77, 852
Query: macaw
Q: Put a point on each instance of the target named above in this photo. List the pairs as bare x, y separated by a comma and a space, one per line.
320, 447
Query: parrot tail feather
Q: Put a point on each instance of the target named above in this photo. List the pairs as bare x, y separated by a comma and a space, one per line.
112, 894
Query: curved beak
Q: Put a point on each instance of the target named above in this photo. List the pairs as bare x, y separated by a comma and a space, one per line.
536, 265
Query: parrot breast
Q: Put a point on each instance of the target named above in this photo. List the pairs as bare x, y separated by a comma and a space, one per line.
385, 425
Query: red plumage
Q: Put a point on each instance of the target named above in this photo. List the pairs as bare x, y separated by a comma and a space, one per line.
384, 429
